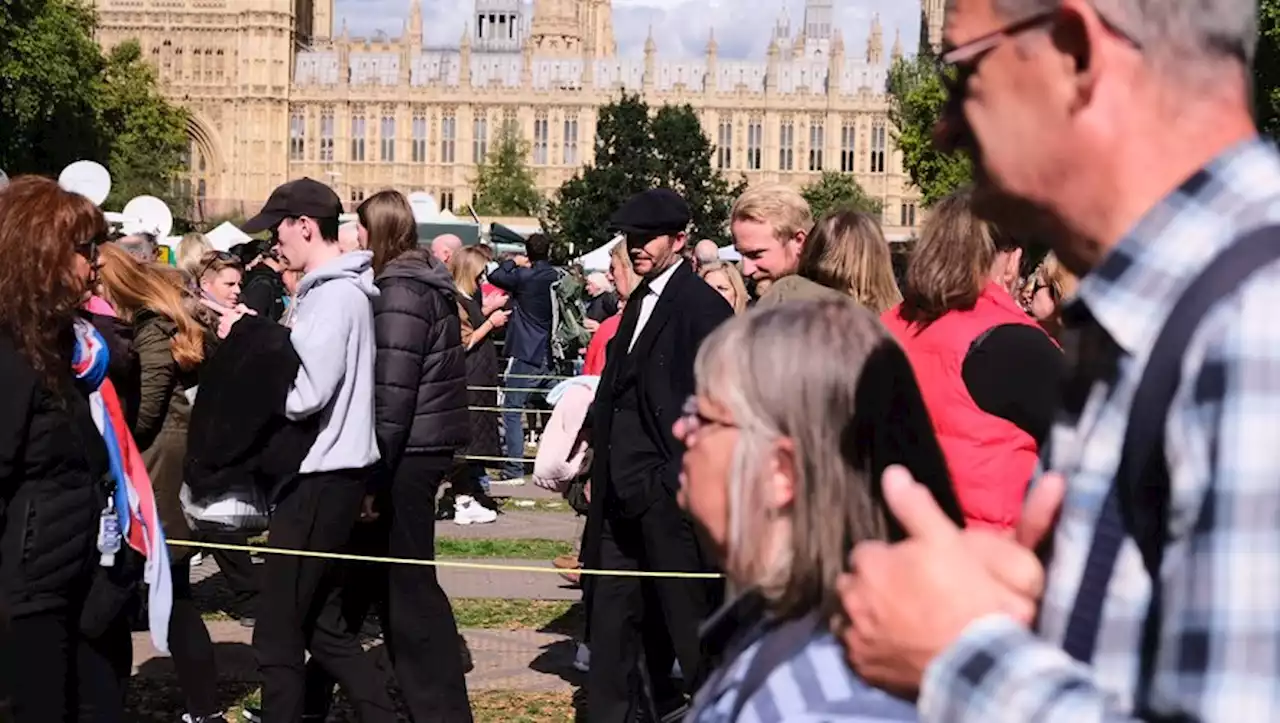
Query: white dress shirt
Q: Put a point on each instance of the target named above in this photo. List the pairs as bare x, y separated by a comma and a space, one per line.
650, 300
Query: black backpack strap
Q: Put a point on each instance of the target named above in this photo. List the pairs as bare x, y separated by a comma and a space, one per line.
780, 644
1137, 505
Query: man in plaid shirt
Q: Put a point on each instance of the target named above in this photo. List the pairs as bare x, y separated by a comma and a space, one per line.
1121, 132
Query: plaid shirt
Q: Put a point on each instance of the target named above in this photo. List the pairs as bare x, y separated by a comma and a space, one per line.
1219, 644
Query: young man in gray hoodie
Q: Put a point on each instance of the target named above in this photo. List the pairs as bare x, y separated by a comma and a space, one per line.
332, 332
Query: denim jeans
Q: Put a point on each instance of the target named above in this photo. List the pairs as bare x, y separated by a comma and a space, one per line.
519, 390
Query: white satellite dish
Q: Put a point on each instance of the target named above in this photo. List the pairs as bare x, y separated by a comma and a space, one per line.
147, 214
87, 178
424, 206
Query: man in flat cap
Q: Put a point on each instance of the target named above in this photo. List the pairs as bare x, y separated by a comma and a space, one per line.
647, 379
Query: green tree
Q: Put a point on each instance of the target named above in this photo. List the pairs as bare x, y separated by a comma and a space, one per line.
48, 97
636, 151
683, 155
917, 97
838, 192
1267, 68
148, 134
504, 184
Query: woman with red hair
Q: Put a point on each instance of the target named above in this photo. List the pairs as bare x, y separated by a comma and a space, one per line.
51, 453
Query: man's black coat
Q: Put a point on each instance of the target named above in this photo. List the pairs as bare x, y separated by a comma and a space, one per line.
687, 311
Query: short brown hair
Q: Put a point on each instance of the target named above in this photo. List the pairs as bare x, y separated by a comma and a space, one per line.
782, 207
951, 261
847, 252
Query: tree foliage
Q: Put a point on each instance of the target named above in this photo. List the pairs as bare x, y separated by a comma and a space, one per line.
148, 134
636, 151
1267, 68
917, 97
48, 97
838, 192
62, 99
504, 185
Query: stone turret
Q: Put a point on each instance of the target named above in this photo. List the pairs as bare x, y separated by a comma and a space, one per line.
875, 42
650, 61
464, 57
896, 53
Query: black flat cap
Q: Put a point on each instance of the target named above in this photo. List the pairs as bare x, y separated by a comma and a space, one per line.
655, 212
295, 199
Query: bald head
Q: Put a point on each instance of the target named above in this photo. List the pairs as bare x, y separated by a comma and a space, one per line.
706, 252
349, 237
445, 246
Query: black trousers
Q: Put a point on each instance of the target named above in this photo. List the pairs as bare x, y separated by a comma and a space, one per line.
417, 619
300, 608
38, 658
649, 621
191, 648
238, 569
103, 666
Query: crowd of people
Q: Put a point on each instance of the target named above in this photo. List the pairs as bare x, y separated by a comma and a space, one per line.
994, 489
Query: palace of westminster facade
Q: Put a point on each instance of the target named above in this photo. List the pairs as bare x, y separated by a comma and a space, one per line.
274, 93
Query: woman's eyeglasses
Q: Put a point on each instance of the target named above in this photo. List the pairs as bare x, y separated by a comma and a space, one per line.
215, 257
692, 419
89, 251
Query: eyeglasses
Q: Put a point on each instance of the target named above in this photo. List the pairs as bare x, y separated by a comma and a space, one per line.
89, 251
217, 256
692, 419
961, 62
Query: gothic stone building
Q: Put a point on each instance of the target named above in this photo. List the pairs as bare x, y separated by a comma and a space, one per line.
274, 94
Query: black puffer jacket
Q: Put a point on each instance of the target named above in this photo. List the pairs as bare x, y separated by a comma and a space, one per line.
52, 462
421, 368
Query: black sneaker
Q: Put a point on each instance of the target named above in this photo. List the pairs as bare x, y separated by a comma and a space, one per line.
445, 507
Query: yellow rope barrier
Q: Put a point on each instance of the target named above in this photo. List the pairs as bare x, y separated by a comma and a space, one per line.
261, 549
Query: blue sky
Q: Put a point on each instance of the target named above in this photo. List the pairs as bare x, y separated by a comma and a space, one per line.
679, 26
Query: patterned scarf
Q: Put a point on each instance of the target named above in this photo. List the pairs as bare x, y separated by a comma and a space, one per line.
134, 500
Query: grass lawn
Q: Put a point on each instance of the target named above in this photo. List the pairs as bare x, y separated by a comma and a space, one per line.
551, 616
514, 549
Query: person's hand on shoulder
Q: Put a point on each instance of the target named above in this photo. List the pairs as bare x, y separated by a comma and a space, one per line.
908, 602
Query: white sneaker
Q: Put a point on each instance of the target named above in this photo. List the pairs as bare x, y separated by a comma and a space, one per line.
467, 511
582, 659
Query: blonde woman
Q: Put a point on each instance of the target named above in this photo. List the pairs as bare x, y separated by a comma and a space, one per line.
784, 454
725, 278
1051, 286
190, 255
989, 373
467, 265
625, 280
170, 344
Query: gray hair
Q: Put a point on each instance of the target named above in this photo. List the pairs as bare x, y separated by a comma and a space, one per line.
750, 365
1176, 34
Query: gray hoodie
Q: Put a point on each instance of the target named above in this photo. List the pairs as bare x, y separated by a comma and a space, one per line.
333, 336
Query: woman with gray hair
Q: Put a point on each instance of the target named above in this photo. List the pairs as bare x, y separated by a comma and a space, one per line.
781, 473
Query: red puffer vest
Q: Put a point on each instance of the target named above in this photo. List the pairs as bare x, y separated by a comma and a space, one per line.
991, 460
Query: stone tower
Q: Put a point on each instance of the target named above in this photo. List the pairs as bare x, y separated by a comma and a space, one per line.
932, 13
819, 23
499, 25
556, 30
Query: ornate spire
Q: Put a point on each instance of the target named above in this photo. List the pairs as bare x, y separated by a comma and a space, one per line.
413, 29
650, 47
465, 43
875, 42
713, 48
896, 53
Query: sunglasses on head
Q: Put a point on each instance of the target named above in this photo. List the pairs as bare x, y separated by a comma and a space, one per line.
218, 256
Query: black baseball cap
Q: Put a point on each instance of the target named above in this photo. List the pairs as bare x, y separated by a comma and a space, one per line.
303, 197
656, 212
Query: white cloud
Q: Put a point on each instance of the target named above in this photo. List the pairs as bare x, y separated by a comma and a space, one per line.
680, 27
